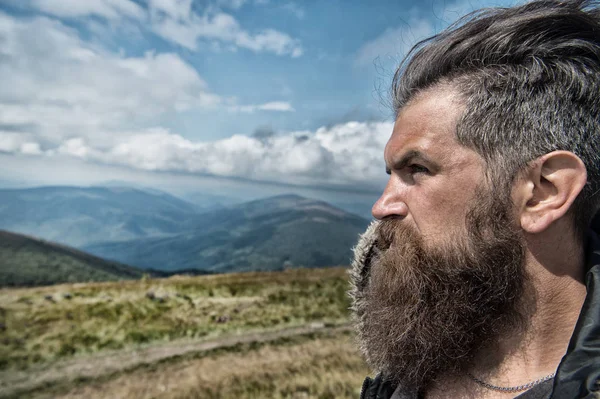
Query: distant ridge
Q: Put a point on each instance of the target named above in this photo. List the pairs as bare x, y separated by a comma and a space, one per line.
79, 216
28, 261
274, 233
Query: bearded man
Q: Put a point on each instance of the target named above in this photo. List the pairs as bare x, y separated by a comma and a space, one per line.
481, 277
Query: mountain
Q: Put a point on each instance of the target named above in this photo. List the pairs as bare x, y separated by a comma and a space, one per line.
26, 261
80, 216
361, 207
206, 202
203, 201
267, 234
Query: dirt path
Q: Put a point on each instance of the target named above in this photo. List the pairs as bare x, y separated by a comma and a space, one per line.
12, 383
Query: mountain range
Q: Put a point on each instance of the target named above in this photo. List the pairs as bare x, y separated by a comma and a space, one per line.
269, 234
79, 216
151, 229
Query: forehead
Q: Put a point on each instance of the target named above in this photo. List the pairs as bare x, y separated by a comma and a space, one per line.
427, 124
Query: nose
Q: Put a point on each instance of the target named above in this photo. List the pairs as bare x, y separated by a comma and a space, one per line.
389, 204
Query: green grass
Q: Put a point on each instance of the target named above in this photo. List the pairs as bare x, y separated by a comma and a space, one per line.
45, 324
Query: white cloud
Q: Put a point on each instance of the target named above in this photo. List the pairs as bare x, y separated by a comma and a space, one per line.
350, 153
279, 106
394, 43
109, 9
233, 4
175, 21
62, 87
31, 149
76, 147
297, 52
175, 9
268, 40
18, 143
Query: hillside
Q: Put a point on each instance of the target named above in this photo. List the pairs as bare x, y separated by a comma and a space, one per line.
286, 334
26, 261
268, 234
79, 216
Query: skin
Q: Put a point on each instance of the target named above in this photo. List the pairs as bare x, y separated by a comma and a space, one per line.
429, 193
432, 181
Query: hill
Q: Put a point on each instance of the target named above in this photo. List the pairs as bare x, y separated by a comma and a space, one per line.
285, 333
26, 261
268, 234
80, 216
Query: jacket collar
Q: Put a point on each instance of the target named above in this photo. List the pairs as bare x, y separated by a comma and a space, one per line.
578, 375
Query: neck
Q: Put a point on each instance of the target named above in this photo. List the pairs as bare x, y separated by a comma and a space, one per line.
555, 302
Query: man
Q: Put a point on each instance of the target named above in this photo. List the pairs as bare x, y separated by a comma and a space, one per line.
480, 277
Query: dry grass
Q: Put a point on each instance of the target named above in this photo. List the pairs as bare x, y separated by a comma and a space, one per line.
112, 329
42, 325
311, 367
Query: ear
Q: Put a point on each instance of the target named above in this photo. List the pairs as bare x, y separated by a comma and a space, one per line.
548, 189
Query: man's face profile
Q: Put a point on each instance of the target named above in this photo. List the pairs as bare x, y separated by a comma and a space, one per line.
447, 275
478, 279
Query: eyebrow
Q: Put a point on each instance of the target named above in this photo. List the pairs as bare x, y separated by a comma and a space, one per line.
408, 158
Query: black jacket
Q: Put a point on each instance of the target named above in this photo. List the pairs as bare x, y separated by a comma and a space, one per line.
578, 374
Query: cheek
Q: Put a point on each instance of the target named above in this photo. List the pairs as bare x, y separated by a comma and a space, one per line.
442, 208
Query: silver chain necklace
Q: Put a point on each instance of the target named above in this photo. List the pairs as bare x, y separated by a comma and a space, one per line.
518, 388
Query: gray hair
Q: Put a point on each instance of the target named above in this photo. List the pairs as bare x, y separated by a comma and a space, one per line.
530, 79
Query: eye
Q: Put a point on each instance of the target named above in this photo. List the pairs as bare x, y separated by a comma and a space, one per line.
416, 168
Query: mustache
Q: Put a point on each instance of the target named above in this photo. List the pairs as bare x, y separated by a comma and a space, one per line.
386, 233
394, 230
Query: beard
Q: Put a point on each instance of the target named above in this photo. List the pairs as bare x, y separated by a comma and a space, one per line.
425, 311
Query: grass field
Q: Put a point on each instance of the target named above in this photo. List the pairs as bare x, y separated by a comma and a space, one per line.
280, 334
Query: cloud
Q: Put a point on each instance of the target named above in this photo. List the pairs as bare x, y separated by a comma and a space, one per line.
294, 9
18, 143
264, 132
109, 9
233, 4
177, 22
394, 43
345, 154
61, 86
276, 106
279, 106
451, 12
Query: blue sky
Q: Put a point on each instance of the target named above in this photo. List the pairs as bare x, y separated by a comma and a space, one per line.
258, 90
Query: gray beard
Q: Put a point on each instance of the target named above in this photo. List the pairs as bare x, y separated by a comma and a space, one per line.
422, 313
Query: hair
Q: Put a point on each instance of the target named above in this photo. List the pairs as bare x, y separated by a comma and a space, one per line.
529, 77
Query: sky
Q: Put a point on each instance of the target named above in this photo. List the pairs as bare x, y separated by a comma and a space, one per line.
273, 95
